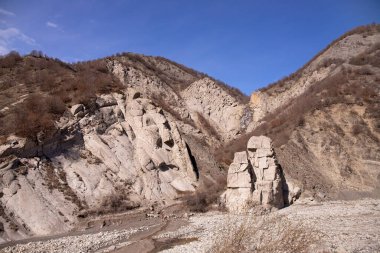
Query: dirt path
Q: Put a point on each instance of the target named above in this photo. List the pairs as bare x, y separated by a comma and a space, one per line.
107, 223
126, 232
144, 242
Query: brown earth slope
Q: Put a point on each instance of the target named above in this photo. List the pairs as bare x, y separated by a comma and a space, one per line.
324, 119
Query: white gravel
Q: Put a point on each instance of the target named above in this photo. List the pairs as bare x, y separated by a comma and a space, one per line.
338, 226
341, 226
74, 244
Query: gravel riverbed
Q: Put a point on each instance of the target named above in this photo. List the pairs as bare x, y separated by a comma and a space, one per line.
334, 226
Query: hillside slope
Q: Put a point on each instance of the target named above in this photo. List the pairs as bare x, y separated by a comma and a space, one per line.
324, 119
104, 136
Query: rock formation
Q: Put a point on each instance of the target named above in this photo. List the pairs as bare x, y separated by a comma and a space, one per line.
254, 177
222, 110
125, 150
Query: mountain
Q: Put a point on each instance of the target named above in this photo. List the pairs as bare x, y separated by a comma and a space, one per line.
105, 136
133, 131
324, 119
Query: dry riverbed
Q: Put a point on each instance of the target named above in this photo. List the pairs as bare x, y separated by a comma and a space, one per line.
309, 226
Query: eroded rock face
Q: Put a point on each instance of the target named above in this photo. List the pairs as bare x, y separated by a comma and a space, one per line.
199, 99
159, 151
267, 173
125, 149
223, 111
254, 177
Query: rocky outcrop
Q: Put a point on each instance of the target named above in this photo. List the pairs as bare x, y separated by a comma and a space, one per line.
255, 177
126, 150
221, 110
267, 174
136, 75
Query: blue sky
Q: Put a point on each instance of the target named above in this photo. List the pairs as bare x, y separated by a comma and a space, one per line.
246, 44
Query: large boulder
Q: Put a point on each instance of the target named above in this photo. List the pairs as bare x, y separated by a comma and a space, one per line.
255, 177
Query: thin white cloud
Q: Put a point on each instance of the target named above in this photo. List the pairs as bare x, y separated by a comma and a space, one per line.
9, 35
51, 24
14, 33
6, 13
4, 50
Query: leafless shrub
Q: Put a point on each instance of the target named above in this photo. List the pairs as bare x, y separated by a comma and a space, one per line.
232, 239
3, 139
161, 101
116, 203
361, 59
357, 129
8, 218
206, 125
264, 234
364, 71
32, 119
53, 86
329, 61
206, 195
37, 114
301, 121
225, 154
37, 54
371, 56
373, 111
10, 60
56, 180
55, 106
90, 158
233, 92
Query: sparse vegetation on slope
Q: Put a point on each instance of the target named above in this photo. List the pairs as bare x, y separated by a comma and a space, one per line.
349, 87
285, 82
354, 84
147, 64
37, 90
